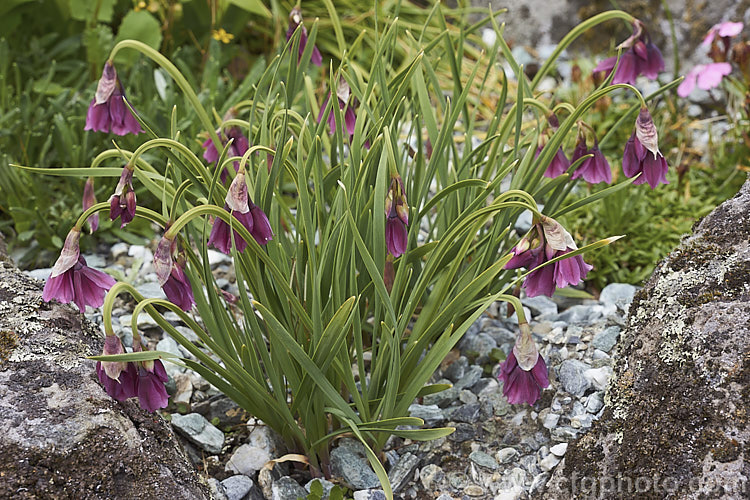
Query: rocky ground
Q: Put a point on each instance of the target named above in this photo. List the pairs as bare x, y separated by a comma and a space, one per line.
498, 450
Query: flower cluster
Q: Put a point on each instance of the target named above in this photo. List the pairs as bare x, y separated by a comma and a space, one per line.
107, 111
642, 57
550, 240
709, 76
524, 372
144, 380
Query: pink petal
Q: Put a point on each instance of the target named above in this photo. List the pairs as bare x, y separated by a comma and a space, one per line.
712, 74
688, 84
729, 28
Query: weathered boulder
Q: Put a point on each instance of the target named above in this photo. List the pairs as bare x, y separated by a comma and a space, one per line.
61, 435
676, 421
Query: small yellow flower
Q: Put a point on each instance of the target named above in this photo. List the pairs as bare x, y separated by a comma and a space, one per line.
140, 6
222, 35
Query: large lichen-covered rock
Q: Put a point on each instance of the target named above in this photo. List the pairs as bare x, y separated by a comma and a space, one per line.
676, 422
61, 436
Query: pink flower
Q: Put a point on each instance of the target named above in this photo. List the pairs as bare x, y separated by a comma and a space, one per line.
524, 372
152, 394
593, 170
221, 238
558, 166
107, 111
123, 387
295, 20
72, 280
551, 241
707, 76
171, 274
642, 153
726, 29
177, 288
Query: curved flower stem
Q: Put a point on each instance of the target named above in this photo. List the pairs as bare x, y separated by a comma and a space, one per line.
538, 104
564, 105
194, 212
516, 303
550, 149
109, 301
575, 33
142, 212
171, 143
170, 68
98, 207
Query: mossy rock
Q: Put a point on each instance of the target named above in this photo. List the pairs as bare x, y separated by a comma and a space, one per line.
676, 417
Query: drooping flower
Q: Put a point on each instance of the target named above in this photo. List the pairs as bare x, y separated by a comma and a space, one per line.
726, 29
177, 288
550, 241
107, 111
152, 394
397, 213
705, 76
89, 200
72, 280
642, 153
559, 164
642, 57
221, 237
118, 377
524, 372
343, 92
295, 20
262, 231
144, 379
171, 275
122, 202
240, 145
122, 388
595, 169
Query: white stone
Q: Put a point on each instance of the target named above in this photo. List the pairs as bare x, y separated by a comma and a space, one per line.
559, 449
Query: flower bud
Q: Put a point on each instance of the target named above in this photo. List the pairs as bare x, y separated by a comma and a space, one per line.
237, 195
556, 236
107, 83
163, 260
389, 274
69, 254
645, 131
525, 348
112, 345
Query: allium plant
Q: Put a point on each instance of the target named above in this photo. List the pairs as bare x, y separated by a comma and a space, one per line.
360, 269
